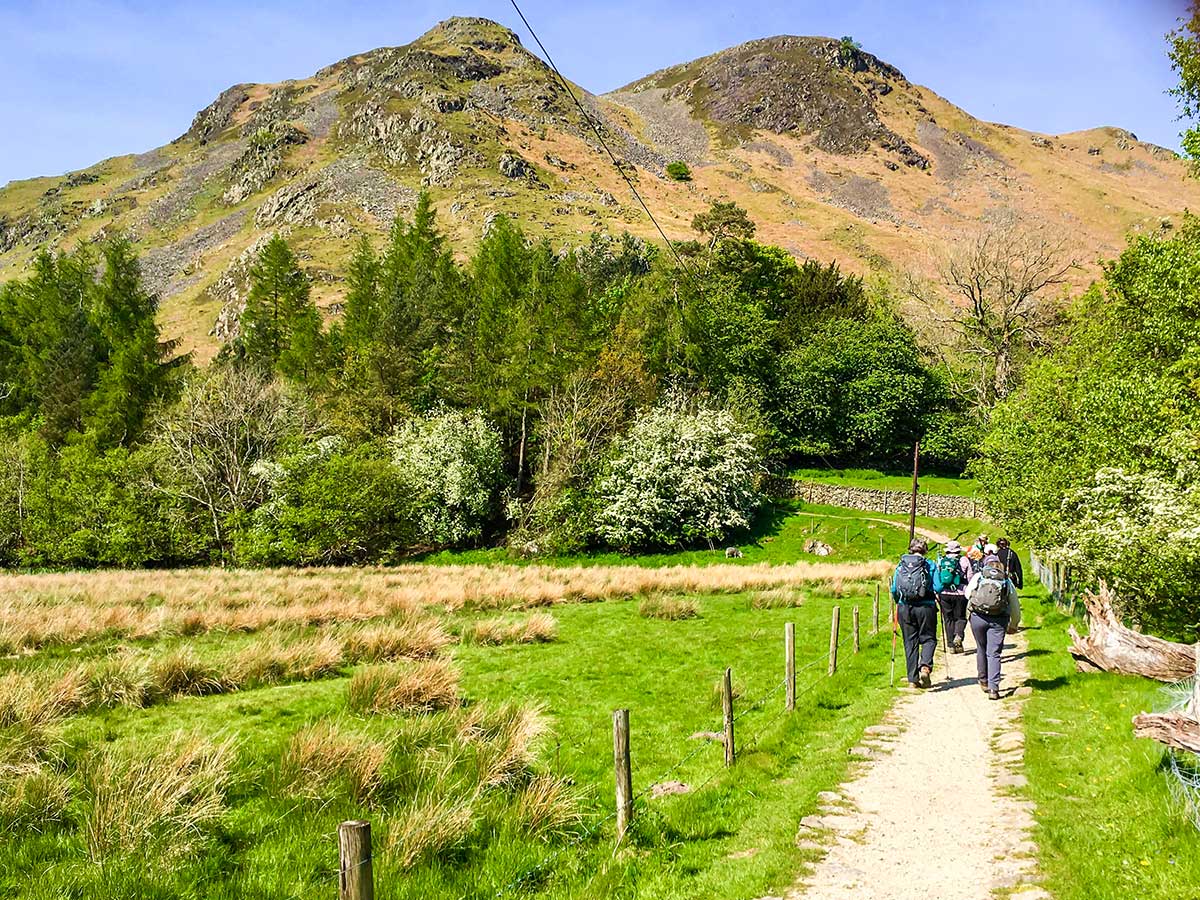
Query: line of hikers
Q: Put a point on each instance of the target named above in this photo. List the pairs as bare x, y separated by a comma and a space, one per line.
977, 587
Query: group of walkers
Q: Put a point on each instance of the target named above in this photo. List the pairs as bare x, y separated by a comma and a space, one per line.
976, 587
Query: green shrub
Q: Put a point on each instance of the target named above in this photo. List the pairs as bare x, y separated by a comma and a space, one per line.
329, 504
679, 171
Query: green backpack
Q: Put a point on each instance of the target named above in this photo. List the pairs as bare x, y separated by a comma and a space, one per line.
950, 574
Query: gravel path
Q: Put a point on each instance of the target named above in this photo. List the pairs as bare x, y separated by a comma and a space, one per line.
931, 814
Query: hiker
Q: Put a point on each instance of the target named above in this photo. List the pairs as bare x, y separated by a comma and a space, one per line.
975, 553
1011, 563
954, 571
915, 585
995, 611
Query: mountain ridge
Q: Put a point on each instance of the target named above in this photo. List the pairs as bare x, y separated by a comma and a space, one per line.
834, 153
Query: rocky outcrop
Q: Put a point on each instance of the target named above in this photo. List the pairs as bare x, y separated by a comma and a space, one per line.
215, 117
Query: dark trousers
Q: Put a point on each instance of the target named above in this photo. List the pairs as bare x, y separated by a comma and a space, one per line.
918, 624
954, 616
989, 641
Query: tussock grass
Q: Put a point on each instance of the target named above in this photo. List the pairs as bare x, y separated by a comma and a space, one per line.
550, 807
540, 628
435, 823
324, 759
34, 800
508, 740
781, 598
423, 686
158, 807
671, 609
276, 660
417, 639
182, 673
68, 608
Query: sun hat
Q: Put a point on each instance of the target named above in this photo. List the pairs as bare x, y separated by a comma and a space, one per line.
953, 547
991, 550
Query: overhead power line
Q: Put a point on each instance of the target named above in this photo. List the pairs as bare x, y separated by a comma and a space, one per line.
603, 143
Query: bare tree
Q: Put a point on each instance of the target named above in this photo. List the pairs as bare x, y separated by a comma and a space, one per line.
212, 444
998, 281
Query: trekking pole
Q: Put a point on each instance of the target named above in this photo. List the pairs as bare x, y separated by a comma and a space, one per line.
895, 628
945, 639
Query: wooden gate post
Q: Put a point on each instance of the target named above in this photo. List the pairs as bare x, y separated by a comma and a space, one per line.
356, 880
833, 639
857, 644
875, 612
623, 771
789, 666
1196, 687
727, 709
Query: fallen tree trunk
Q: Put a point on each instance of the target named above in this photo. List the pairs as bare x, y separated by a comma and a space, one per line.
1175, 729
1111, 647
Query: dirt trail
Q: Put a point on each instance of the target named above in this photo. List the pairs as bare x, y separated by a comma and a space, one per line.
931, 814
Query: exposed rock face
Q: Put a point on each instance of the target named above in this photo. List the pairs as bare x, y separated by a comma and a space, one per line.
215, 117
792, 84
261, 161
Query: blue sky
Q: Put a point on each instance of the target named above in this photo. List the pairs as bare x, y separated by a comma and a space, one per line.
87, 79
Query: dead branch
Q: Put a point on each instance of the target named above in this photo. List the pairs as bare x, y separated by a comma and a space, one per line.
1111, 647
1175, 729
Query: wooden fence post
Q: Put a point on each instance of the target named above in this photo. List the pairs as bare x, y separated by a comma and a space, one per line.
727, 709
1196, 687
875, 612
623, 771
356, 880
789, 666
833, 638
857, 643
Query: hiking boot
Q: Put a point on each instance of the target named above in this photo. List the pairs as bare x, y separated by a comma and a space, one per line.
958, 647
993, 695
983, 686
925, 679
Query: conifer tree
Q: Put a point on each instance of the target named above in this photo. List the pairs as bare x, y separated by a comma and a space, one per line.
281, 327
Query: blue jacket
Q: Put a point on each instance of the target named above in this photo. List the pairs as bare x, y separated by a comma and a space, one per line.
935, 579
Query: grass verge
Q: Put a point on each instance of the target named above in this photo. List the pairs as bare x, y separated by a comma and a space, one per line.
1107, 826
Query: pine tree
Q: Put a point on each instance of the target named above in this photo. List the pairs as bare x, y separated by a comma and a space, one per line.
133, 367
281, 327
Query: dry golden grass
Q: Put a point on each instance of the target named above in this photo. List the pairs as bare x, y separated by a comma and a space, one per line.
415, 639
550, 807
33, 800
324, 756
74, 607
672, 609
539, 628
157, 806
780, 598
276, 660
436, 822
423, 686
507, 743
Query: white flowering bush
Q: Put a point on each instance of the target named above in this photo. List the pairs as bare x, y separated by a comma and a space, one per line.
453, 465
678, 476
1140, 533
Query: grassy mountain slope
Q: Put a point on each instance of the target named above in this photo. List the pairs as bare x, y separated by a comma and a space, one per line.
834, 153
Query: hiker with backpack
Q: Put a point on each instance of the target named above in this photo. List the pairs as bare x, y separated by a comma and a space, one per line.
995, 611
915, 586
1011, 563
954, 571
976, 553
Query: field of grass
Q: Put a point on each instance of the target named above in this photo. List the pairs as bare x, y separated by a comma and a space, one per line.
1108, 827
202, 733
871, 478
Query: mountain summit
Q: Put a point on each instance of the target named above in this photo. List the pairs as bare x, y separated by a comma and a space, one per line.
834, 153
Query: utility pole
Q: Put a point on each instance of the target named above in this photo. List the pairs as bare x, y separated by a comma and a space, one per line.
912, 510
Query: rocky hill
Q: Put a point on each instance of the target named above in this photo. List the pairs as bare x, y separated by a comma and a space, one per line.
834, 152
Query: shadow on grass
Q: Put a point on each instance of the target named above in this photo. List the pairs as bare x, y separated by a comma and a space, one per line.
1048, 684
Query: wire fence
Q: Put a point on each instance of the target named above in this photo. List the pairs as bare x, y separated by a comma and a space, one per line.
749, 744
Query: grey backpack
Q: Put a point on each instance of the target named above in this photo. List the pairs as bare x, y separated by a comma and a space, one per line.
991, 593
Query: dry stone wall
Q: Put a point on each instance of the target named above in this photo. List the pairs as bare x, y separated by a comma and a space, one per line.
942, 506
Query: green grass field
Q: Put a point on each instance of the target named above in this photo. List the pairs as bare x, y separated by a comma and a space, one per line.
871, 478
445, 825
